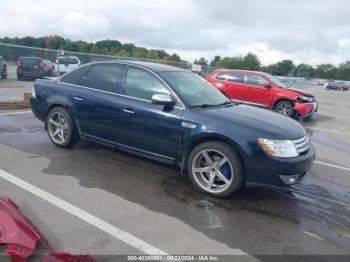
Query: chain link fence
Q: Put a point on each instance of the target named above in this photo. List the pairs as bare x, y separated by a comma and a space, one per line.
11, 55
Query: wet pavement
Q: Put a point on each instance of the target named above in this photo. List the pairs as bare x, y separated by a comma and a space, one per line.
155, 203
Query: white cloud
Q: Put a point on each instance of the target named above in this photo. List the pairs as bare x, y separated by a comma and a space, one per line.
313, 31
82, 25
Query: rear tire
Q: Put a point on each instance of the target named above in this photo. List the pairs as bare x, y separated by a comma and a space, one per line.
61, 128
215, 169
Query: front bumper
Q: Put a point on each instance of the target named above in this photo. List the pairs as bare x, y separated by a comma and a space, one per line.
306, 110
275, 171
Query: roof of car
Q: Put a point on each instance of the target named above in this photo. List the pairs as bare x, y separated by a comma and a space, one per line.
30, 57
149, 65
241, 71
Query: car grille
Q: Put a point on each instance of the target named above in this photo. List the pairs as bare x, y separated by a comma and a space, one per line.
302, 145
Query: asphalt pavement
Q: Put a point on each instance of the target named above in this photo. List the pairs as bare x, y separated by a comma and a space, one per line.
92, 199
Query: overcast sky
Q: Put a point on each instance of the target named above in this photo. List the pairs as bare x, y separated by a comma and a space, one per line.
311, 31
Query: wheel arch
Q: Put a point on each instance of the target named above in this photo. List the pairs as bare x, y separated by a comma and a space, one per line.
214, 138
283, 99
58, 104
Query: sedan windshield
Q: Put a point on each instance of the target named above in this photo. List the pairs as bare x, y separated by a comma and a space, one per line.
195, 91
275, 81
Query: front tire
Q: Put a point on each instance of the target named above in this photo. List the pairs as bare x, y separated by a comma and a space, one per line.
215, 169
285, 108
61, 128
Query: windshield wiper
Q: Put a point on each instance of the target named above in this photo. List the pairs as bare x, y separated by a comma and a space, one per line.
203, 106
211, 105
226, 103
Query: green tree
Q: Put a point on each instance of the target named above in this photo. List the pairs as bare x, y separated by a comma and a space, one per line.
282, 68
230, 63
215, 61
250, 62
327, 71
174, 57
201, 61
304, 70
153, 54
138, 52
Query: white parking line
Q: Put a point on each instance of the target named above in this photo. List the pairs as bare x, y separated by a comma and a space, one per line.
15, 113
83, 215
331, 165
329, 130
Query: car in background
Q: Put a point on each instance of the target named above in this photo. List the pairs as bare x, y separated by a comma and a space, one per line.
172, 115
65, 64
30, 68
265, 91
336, 86
3, 68
49, 68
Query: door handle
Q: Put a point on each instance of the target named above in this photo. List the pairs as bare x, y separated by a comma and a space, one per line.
77, 98
129, 111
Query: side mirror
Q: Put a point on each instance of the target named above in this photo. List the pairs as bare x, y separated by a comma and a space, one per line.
268, 86
162, 99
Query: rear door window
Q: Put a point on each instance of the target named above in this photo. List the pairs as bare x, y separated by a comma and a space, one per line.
255, 80
102, 77
231, 77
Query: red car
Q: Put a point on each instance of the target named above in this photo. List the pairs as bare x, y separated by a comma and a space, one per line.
263, 90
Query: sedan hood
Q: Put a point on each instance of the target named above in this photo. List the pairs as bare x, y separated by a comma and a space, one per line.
265, 123
21, 236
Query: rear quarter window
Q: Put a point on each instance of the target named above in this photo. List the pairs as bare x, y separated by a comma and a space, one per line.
102, 77
75, 76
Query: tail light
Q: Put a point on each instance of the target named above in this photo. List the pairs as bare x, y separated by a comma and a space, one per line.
19, 63
53, 67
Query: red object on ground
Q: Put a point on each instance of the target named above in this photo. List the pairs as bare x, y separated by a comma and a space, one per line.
261, 89
21, 236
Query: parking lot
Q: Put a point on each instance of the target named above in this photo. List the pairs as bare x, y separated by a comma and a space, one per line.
11, 89
95, 200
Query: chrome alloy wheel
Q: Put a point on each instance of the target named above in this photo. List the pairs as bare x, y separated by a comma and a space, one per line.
58, 128
212, 171
284, 108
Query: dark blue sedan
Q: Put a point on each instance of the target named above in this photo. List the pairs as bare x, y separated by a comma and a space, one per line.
171, 115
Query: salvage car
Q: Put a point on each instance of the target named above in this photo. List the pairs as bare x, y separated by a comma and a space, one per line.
174, 116
263, 90
20, 238
3, 68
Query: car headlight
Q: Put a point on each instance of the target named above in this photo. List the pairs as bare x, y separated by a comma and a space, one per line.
306, 98
278, 148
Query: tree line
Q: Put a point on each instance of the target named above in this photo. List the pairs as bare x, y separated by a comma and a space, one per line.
104, 47
248, 62
282, 68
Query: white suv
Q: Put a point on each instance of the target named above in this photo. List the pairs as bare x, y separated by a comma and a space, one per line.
65, 64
